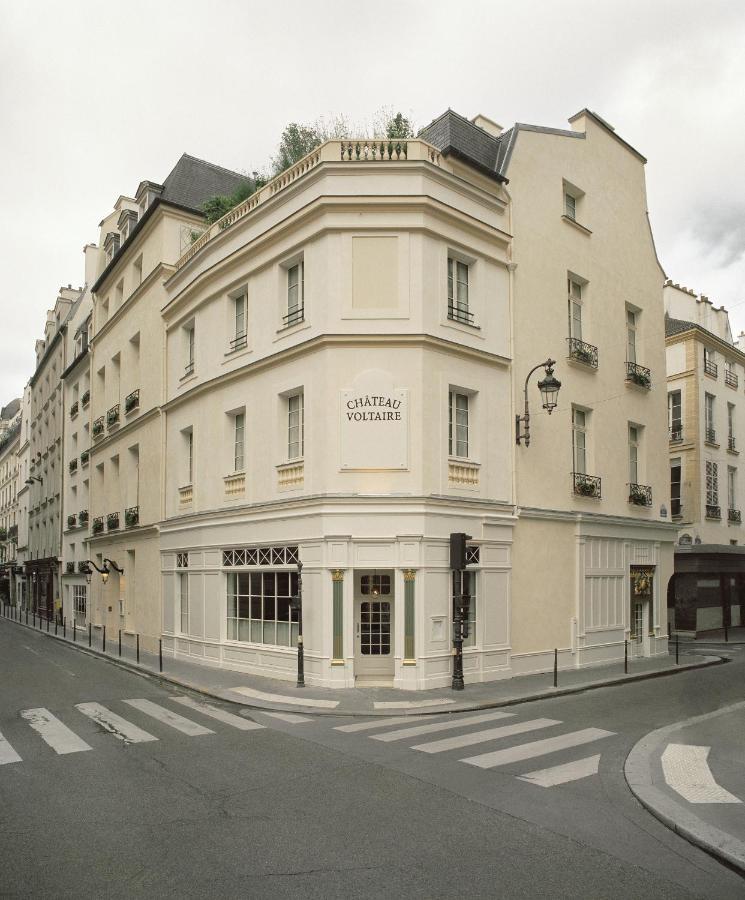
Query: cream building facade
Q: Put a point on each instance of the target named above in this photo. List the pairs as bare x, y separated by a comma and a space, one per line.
24, 468
706, 412
9, 444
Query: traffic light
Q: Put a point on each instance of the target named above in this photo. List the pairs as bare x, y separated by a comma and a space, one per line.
458, 550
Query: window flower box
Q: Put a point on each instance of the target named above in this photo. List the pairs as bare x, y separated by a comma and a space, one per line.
638, 375
72, 521
97, 525
112, 416
86, 398
132, 401
97, 427
640, 494
83, 516
74, 410
112, 521
132, 516
70, 568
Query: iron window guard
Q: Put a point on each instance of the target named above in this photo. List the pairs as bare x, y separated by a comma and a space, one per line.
637, 374
711, 436
132, 401
676, 434
710, 368
640, 494
112, 521
239, 342
132, 516
97, 525
97, 427
458, 314
112, 415
731, 443
713, 512
587, 485
294, 316
730, 378
583, 352
734, 515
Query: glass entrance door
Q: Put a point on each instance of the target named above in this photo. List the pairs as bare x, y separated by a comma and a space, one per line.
373, 625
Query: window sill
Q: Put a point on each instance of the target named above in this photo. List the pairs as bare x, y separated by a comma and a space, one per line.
733, 452
185, 379
711, 375
576, 224
463, 327
712, 444
581, 364
289, 330
236, 354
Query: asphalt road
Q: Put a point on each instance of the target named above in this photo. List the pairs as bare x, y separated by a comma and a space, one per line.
303, 809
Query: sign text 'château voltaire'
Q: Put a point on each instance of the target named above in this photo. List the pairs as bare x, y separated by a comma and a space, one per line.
372, 408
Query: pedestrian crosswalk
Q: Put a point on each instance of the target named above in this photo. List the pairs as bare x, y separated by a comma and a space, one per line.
397, 731
63, 739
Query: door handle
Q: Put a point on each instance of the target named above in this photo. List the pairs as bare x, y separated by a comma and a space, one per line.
358, 629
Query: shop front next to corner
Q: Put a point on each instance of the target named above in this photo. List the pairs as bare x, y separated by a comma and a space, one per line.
707, 591
42, 586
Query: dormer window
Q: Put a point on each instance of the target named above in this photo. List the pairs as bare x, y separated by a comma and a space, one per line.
111, 245
126, 222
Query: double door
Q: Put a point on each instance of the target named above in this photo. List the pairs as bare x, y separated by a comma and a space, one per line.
373, 625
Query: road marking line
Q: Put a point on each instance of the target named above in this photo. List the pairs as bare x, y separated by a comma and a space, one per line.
281, 698
375, 723
114, 724
292, 718
53, 732
414, 731
410, 704
573, 771
687, 772
537, 748
220, 714
7, 753
478, 737
185, 726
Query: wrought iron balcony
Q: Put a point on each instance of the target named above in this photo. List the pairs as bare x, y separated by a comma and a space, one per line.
84, 457
13, 533
586, 485
710, 436
86, 398
72, 521
74, 409
638, 375
97, 525
294, 316
640, 494
730, 378
583, 352
112, 415
97, 427
73, 465
83, 516
83, 567
676, 433
733, 515
132, 401
112, 521
459, 314
713, 512
239, 342
70, 568
710, 368
732, 443
132, 516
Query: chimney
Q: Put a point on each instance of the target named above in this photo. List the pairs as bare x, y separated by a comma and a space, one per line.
487, 125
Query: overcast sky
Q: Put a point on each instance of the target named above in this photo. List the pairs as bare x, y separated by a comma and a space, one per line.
96, 97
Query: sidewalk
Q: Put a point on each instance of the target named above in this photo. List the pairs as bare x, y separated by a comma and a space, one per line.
271, 694
691, 776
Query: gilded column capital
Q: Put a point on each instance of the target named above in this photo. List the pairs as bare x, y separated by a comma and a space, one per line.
409, 574
337, 575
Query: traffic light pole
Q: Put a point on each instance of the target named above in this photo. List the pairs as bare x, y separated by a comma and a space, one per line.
458, 683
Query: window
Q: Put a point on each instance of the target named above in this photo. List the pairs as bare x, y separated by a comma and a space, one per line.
712, 483
183, 584
189, 369
731, 426
579, 441
239, 423
137, 279
188, 455
711, 434
295, 295
295, 427
710, 365
239, 310
458, 292
79, 599
674, 420
731, 484
575, 309
675, 470
458, 425
570, 206
633, 454
630, 336
258, 607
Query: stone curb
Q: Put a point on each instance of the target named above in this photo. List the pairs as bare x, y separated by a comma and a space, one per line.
639, 777
369, 714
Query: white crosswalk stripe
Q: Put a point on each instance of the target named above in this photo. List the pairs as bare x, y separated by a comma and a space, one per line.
7, 753
402, 734
167, 717
375, 723
479, 737
292, 718
572, 771
537, 748
221, 715
59, 737
114, 724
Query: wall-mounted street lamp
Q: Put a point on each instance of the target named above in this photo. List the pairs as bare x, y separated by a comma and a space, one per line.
32, 478
549, 388
113, 565
104, 572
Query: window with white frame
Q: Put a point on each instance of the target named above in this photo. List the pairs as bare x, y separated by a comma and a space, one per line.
295, 294
183, 588
712, 483
731, 426
570, 206
79, 599
295, 426
259, 609
458, 425
239, 427
710, 434
633, 454
675, 472
631, 325
239, 339
189, 346
188, 436
731, 487
574, 289
674, 416
579, 441
458, 308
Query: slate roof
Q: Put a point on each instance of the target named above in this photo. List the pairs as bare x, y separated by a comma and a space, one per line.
453, 134
677, 326
192, 181
10, 409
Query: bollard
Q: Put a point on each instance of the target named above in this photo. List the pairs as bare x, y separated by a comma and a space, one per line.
34, 619
138, 648
726, 634
55, 624
47, 623
27, 615
74, 631
556, 667
625, 657
90, 634
160, 653
64, 627
677, 647
120, 642
103, 645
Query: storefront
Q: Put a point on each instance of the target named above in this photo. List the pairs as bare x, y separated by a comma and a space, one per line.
707, 590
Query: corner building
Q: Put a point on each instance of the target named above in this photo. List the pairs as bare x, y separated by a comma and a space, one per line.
338, 391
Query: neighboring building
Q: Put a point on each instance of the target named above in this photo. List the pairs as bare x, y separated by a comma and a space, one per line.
706, 418
9, 444
45, 466
9, 415
24, 467
76, 382
141, 239
592, 551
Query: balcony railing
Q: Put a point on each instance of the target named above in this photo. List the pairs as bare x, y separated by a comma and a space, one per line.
132, 401
131, 516
85, 399
84, 457
710, 368
676, 433
112, 416
112, 521
239, 342
713, 512
72, 521
459, 314
710, 436
639, 375
97, 427
730, 378
640, 494
13, 533
70, 568
74, 409
3, 534
83, 567
586, 485
583, 352
732, 443
733, 515
73, 465
97, 525
294, 317
83, 516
